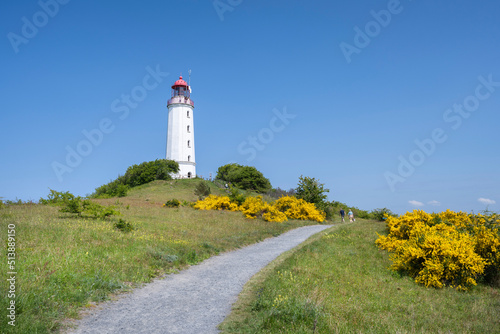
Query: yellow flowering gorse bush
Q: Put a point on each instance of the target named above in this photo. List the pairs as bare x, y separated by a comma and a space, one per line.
295, 208
444, 249
253, 206
284, 208
213, 202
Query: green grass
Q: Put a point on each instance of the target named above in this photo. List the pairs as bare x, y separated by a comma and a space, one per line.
340, 283
67, 264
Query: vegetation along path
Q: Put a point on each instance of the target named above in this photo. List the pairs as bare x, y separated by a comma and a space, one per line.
195, 300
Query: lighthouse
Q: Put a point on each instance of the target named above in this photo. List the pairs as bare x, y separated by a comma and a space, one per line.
180, 130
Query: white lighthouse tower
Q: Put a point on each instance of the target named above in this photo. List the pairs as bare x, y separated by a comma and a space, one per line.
180, 133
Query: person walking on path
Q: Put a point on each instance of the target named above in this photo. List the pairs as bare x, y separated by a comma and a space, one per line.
351, 216
342, 214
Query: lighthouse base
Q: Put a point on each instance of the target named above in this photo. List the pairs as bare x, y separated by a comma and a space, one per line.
187, 170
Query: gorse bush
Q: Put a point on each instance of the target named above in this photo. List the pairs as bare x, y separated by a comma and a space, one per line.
296, 208
213, 202
255, 207
137, 175
445, 249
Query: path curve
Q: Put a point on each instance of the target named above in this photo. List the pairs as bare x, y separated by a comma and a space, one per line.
197, 299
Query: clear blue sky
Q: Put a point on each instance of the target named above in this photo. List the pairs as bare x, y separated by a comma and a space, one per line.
388, 103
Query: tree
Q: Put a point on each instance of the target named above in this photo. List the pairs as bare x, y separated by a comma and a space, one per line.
202, 190
146, 172
244, 177
310, 190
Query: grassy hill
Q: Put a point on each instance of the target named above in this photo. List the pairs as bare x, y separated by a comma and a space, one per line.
66, 263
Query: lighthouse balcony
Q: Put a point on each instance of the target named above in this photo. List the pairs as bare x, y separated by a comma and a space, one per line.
181, 100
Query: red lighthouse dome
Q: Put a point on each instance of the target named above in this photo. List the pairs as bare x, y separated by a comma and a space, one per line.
181, 93
180, 82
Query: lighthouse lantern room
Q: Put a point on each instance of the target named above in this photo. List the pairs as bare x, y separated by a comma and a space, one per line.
180, 130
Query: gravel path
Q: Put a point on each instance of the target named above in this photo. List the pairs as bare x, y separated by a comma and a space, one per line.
197, 299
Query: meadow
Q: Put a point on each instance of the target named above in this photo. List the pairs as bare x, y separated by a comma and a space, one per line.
340, 282
66, 264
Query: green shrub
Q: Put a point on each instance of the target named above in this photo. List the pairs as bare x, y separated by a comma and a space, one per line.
236, 196
244, 177
173, 203
310, 190
73, 204
329, 212
77, 205
99, 211
202, 190
123, 226
56, 197
380, 214
137, 175
361, 213
146, 172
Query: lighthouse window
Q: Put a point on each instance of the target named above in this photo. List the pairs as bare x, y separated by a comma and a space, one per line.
189, 143
189, 158
188, 113
188, 129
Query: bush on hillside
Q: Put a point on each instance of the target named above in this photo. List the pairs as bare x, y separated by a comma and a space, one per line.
381, 214
361, 213
310, 190
254, 207
236, 196
173, 203
123, 226
146, 172
137, 175
244, 177
56, 197
297, 208
444, 249
202, 190
213, 202
77, 205
74, 205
